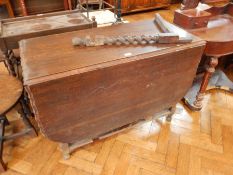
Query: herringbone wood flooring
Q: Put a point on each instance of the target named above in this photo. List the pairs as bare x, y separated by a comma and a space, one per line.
194, 143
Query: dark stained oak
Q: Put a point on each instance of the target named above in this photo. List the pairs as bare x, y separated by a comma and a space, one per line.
79, 93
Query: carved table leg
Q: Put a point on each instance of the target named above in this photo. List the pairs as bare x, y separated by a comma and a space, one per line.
23, 7
212, 80
209, 71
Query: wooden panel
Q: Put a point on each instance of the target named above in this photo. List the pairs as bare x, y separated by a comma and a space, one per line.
42, 51
98, 101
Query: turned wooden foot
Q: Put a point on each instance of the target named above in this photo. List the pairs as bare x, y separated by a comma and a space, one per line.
199, 99
210, 69
68, 148
65, 148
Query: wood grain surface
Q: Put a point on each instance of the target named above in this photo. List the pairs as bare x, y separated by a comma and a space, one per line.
40, 57
81, 93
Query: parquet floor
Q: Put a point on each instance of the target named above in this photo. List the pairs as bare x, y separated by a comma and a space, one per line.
194, 143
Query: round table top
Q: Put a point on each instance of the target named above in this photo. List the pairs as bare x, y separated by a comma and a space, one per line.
218, 34
10, 91
219, 29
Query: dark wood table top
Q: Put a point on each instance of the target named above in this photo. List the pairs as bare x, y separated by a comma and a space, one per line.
15, 29
219, 29
53, 56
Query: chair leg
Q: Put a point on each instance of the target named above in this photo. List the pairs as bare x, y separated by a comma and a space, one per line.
3, 166
28, 130
9, 9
